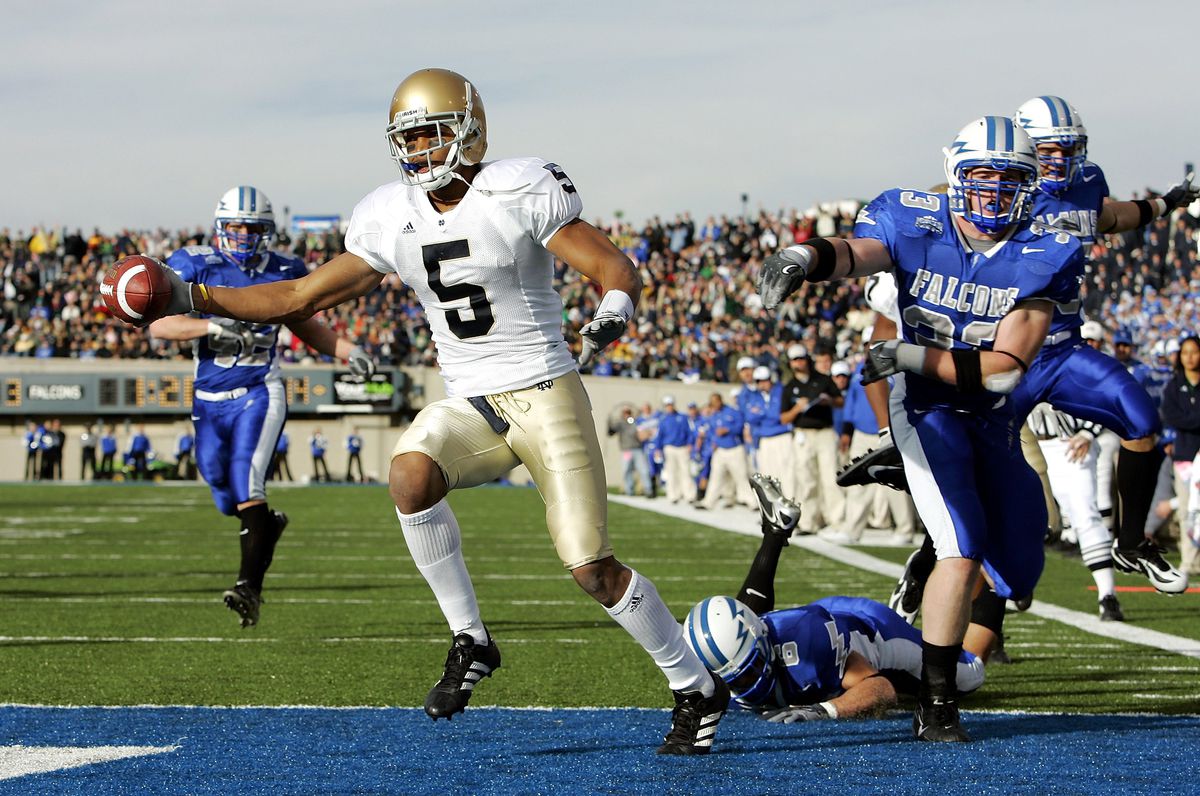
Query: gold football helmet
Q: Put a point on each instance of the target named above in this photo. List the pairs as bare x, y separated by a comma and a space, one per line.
443, 101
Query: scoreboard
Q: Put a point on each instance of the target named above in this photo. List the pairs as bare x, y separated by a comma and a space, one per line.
95, 389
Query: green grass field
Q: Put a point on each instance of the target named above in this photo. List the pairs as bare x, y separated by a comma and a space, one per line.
111, 596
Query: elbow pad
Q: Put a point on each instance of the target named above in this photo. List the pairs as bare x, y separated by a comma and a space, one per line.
1003, 383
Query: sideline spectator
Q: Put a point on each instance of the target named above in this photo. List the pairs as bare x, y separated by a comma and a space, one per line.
1181, 412
675, 438
184, 443
354, 450
761, 403
138, 453
279, 463
633, 457
108, 450
33, 444
730, 480
317, 444
808, 401
87, 451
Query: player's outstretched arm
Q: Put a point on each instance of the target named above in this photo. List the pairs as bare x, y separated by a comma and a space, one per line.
818, 260
865, 691
591, 253
1124, 216
321, 338
344, 277
1018, 339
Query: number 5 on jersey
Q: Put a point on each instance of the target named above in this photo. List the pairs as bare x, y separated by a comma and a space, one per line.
433, 255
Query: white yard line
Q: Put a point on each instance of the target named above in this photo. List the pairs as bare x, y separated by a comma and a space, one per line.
740, 520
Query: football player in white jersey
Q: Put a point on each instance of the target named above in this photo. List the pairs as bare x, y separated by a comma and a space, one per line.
477, 240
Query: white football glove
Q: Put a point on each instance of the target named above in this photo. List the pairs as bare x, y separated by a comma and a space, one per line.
603, 330
781, 274
181, 293
361, 363
228, 337
1181, 194
889, 357
796, 713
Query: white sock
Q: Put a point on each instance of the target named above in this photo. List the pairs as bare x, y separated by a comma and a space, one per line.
1105, 583
645, 616
435, 543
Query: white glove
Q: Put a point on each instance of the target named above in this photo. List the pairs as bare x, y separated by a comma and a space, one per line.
607, 326
889, 357
361, 363
181, 293
228, 337
782, 273
796, 713
1181, 194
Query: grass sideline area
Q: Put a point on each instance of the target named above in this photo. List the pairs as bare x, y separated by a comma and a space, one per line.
111, 596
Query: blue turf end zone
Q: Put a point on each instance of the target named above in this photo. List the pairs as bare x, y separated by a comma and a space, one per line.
504, 751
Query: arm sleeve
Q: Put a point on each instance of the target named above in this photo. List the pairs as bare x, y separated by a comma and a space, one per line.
365, 234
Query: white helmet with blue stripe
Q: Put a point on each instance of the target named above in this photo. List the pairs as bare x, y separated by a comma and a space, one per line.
244, 224
998, 144
1053, 120
731, 641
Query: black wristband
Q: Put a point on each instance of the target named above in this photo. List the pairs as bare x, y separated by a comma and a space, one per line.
1020, 362
853, 262
1146, 211
968, 373
822, 268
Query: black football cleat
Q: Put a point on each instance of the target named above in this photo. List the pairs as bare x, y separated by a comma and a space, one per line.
936, 720
694, 720
466, 664
906, 597
245, 601
779, 514
281, 522
1110, 609
882, 465
1147, 559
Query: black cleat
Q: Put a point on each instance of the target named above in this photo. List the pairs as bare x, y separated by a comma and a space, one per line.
466, 664
779, 515
906, 597
281, 522
1110, 609
243, 599
882, 465
1147, 558
936, 719
694, 720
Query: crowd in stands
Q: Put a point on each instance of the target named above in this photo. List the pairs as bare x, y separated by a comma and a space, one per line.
699, 312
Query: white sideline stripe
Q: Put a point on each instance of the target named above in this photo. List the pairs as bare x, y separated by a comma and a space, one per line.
20, 761
737, 521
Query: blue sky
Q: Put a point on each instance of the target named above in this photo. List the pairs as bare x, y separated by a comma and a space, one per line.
141, 114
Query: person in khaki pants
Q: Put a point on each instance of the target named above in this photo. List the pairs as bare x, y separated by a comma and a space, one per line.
675, 437
808, 401
860, 433
761, 405
729, 473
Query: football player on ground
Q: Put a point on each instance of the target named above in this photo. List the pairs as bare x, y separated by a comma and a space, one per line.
477, 242
836, 657
239, 404
977, 287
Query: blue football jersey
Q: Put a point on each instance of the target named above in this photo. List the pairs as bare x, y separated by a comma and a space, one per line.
810, 654
1075, 210
950, 296
217, 371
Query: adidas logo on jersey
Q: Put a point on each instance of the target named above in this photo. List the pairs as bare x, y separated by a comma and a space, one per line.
408, 228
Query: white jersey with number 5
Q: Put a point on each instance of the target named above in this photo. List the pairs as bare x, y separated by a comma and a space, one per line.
481, 270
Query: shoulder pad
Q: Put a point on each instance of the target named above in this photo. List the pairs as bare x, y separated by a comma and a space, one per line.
512, 175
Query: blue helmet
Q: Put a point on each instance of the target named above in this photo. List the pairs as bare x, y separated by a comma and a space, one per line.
731, 641
250, 209
1052, 120
992, 142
